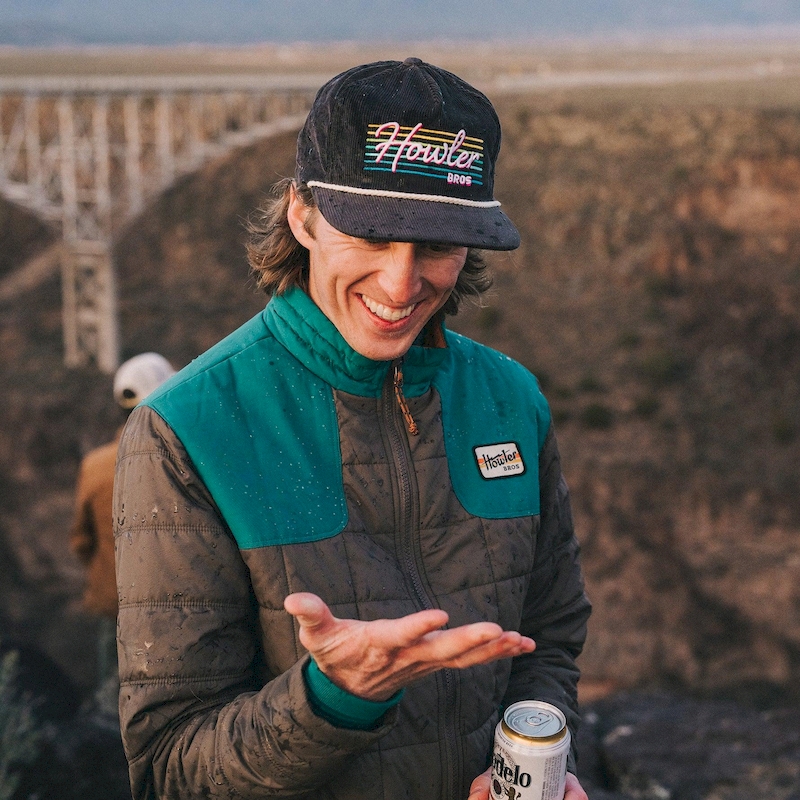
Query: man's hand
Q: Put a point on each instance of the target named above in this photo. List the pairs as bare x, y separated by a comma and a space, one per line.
481, 785
373, 660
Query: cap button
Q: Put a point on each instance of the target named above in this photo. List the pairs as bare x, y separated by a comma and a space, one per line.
411, 62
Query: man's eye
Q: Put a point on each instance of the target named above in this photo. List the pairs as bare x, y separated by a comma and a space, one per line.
439, 249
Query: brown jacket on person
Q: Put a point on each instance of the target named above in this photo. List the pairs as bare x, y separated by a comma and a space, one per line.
213, 699
92, 535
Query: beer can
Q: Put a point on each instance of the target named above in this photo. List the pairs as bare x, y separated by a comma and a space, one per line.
531, 746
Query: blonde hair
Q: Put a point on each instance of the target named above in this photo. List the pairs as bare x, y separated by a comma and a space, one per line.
278, 261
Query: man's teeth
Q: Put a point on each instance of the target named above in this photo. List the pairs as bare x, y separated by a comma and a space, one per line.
388, 314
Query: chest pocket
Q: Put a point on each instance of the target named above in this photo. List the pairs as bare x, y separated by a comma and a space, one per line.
495, 422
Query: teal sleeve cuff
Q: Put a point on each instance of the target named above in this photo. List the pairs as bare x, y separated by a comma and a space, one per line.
341, 708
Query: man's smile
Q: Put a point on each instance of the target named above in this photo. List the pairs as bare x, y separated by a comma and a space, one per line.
385, 313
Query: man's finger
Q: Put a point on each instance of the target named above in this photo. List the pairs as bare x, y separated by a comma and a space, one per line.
505, 647
309, 610
573, 789
409, 630
454, 643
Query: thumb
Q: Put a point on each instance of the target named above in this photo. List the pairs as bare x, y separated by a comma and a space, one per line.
480, 786
309, 610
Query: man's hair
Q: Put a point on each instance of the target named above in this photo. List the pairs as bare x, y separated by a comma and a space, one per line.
278, 261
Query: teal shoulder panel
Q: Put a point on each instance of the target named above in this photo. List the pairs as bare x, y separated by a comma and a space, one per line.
495, 421
262, 433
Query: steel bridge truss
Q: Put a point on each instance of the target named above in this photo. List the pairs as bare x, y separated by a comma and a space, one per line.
89, 154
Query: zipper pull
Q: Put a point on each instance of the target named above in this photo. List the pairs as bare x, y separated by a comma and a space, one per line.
401, 400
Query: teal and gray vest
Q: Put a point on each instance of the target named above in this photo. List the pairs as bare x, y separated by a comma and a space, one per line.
256, 414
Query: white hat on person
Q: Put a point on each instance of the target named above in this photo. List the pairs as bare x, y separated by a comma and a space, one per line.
139, 376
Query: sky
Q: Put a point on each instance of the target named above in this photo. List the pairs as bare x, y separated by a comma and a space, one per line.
165, 22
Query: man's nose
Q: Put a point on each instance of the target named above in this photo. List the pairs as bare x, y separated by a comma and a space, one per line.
400, 277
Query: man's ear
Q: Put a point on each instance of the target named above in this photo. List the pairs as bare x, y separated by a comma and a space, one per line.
297, 216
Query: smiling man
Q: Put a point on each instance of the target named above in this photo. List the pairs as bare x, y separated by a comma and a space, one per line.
344, 543
378, 294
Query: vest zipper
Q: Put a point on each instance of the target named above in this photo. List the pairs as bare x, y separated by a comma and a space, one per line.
401, 400
407, 532
407, 497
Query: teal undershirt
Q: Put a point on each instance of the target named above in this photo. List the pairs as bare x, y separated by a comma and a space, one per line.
341, 708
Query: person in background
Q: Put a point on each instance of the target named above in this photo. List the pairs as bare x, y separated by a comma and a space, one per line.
344, 542
91, 536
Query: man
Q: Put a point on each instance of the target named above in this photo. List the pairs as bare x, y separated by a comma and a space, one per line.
91, 536
341, 529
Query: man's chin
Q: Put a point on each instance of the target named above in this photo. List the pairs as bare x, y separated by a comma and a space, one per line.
385, 346
383, 353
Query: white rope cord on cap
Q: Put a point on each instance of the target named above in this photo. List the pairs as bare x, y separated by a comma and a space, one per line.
433, 198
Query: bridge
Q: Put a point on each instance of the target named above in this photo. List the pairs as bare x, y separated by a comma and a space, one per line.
88, 153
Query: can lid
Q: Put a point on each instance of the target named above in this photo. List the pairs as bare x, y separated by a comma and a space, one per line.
535, 722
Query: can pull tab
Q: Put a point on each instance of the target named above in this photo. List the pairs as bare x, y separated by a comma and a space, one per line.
538, 719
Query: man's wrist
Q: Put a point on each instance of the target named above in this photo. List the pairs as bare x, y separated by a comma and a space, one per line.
340, 707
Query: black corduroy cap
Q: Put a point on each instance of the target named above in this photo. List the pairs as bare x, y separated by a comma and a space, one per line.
405, 151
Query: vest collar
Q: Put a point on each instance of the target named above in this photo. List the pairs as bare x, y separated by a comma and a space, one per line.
299, 325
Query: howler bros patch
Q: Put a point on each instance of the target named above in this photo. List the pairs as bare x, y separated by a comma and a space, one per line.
499, 460
454, 158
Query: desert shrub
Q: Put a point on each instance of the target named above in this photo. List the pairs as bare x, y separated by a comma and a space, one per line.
597, 415
681, 173
489, 317
562, 392
560, 415
590, 383
543, 378
647, 406
662, 368
783, 430
523, 118
629, 339
20, 731
663, 286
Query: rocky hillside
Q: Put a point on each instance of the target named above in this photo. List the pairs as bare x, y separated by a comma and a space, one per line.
655, 295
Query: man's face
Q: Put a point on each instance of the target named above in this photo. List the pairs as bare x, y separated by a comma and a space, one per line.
379, 295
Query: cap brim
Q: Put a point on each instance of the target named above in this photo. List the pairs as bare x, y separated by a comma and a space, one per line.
413, 220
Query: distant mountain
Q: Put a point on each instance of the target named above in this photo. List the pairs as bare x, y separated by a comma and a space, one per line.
52, 22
